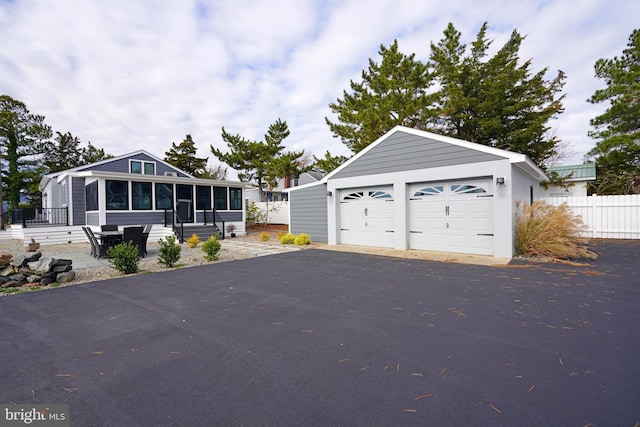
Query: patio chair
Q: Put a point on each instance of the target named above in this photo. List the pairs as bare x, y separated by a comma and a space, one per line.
86, 233
98, 249
134, 235
109, 227
145, 236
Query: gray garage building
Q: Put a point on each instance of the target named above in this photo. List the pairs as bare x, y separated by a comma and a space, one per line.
412, 189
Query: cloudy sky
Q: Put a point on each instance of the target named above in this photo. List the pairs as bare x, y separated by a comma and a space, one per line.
141, 74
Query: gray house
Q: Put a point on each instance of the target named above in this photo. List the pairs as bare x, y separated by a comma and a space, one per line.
139, 188
412, 189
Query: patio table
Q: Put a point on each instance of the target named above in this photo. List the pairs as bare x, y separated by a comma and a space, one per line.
109, 238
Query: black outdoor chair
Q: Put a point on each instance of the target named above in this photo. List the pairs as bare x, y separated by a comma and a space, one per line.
109, 227
86, 233
135, 236
98, 250
145, 236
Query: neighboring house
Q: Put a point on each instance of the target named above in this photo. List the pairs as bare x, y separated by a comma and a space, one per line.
577, 178
139, 188
279, 192
412, 189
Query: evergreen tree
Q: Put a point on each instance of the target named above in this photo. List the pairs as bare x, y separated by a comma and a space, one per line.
488, 100
391, 93
287, 165
494, 101
183, 156
328, 162
217, 173
253, 159
22, 140
63, 153
92, 154
617, 152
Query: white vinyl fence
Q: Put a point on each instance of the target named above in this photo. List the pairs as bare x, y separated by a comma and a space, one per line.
609, 217
276, 212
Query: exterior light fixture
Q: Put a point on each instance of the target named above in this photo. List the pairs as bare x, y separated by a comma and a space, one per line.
500, 180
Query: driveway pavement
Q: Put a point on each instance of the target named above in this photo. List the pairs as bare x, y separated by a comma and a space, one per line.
317, 338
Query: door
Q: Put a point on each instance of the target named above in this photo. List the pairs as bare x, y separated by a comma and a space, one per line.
184, 202
366, 216
454, 216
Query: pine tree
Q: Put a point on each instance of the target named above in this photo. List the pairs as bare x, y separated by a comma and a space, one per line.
23, 138
254, 159
328, 162
183, 156
617, 152
391, 93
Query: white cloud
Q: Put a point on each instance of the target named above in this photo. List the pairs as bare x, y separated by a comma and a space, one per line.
129, 75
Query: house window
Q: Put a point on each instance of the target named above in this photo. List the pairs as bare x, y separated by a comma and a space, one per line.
140, 167
141, 195
203, 197
117, 193
220, 198
236, 198
164, 196
91, 195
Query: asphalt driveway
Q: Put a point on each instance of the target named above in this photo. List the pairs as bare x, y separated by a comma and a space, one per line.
330, 338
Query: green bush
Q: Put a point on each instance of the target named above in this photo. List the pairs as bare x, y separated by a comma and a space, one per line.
124, 257
211, 248
302, 239
169, 251
287, 238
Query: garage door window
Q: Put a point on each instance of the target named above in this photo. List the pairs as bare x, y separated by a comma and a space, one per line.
429, 191
467, 189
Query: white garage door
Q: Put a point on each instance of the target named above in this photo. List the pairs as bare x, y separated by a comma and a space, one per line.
452, 217
366, 216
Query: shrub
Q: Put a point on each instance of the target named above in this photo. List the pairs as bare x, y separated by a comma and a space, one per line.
124, 257
211, 248
264, 236
302, 239
255, 214
544, 230
193, 241
287, 239
169, 251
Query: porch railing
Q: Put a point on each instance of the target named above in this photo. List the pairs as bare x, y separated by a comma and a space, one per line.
171, 217
29, 217
212, 216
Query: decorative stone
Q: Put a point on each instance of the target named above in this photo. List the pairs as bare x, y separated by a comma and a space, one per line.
61, 262
11, 284
18, 277
33, 257
49, 274
7, 271
18, 260
42, 265
5, 258
33, 278
66, 276
61, 268
26, 271
47, 281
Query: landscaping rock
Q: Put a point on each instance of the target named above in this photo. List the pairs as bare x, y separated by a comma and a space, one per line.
11, 284
34, 278
47, 281
18, 277
66, 276
42, 265
61, 268
5, 258
7, 271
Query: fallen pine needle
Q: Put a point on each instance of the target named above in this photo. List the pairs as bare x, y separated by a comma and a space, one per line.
346, 359
416, 374
589, 371
410, 410
492, 406
307, 331
364, 368
64, 375
277, 323
560, 360
96, 353
422, 396
510, 365
398, 367
532, 387
443, 371
70, 389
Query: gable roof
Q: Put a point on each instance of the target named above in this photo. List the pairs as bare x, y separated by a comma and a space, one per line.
584, 172
486, 153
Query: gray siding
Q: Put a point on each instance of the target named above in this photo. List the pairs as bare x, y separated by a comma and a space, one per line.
402, 151
308, 212
93, 218
135, 218
235, 216
122, 165
78, 195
